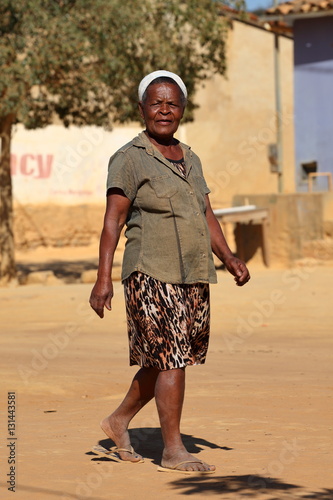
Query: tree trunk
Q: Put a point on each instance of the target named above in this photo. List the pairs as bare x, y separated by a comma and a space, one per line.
7, 249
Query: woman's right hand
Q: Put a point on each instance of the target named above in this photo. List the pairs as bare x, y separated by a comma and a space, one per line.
101, 296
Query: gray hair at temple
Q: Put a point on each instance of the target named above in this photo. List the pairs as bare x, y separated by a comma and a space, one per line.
161, 76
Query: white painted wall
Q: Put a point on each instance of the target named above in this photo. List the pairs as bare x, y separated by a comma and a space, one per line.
64, 166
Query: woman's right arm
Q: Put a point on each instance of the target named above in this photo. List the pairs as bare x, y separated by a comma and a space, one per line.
117, 207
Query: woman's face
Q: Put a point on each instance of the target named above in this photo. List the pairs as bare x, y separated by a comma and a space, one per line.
162, 110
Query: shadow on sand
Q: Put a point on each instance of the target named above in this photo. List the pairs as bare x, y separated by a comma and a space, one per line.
69, 271
148, 442
246, 486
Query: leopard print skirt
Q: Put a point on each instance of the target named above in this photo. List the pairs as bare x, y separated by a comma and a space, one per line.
168, 325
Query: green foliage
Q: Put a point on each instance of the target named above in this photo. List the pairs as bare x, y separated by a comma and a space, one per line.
82, 60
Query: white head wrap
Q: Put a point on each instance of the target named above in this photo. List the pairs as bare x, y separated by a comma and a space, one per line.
157, 74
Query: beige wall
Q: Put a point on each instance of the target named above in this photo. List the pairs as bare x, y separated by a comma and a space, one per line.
295, 220
300, 226
236, 119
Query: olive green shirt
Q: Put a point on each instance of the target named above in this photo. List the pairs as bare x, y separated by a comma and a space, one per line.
167, 232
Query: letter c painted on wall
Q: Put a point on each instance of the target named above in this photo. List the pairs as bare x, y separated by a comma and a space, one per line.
24, 167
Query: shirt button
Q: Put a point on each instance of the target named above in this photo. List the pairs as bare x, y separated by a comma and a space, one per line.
204, 255
196, 213
191, 192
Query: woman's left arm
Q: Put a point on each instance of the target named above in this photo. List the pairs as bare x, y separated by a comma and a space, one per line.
221, 249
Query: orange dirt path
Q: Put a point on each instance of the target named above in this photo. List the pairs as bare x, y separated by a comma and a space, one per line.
260, 409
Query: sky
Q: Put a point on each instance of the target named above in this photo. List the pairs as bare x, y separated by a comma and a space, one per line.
255, 4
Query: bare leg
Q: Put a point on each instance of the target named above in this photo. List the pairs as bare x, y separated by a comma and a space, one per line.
169, 394
140, 392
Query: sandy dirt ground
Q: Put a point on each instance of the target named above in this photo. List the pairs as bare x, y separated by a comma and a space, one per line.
260, 409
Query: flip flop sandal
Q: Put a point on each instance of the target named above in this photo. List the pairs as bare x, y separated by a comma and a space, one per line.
174, 468
113, 453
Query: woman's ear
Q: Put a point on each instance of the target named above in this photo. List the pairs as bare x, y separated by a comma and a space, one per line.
140, 106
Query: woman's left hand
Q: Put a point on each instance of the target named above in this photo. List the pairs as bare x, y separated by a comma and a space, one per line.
238, 269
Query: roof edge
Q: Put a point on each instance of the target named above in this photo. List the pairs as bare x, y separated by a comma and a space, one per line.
290, 18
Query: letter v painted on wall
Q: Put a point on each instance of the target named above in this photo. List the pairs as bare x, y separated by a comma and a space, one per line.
44, 166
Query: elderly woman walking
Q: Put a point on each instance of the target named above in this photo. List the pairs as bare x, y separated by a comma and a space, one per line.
156, 187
